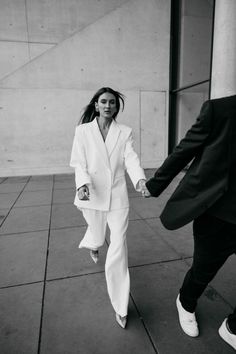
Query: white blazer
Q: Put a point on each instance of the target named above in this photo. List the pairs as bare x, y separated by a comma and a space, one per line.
101, 165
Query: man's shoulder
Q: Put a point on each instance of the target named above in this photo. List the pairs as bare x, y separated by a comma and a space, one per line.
224, 100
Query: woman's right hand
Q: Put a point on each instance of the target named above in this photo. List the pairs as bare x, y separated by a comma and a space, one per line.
83, 193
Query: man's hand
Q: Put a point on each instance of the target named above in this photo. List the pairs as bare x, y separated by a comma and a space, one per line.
83, 193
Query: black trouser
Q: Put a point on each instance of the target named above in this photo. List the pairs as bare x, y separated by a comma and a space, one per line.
214, 242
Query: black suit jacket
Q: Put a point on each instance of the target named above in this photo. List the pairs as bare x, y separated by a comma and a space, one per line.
210, 145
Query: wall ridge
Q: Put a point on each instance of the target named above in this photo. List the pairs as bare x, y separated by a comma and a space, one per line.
56, 45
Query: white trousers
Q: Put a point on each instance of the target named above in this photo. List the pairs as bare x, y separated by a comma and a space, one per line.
116, 266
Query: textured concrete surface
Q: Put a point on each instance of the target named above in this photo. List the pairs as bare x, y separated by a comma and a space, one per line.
57, 54
53, 298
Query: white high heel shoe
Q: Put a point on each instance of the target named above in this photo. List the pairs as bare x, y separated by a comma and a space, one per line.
122, 321
94, 255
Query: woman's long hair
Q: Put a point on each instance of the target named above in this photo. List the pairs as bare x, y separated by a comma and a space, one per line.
90, 112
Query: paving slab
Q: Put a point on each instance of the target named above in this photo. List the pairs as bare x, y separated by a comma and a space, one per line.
78, 318
133, 194
66, 259
20, 311
3, 215
146, 207
22, 258
158, 310
39, 185
181, 240
34, 198
66, 215
11, 187
64, 184
145, 247
8, 199
41, 178
133, 215
26, 219
171, 188
63, 196
65, 177
17, 179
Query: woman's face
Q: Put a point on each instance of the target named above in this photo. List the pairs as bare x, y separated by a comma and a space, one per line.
106, 105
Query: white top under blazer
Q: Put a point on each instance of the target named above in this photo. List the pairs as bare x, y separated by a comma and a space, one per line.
102, 165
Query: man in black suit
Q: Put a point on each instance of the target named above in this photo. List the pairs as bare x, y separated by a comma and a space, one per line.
206, 195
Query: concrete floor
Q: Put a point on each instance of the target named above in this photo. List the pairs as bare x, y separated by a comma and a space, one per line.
53, 299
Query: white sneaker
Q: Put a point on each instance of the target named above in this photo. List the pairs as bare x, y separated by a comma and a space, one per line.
225, 334
187, 320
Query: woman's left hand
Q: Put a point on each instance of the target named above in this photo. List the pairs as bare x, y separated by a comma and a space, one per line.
83, 193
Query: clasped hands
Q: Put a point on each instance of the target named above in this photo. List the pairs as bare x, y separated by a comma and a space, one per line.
143, 189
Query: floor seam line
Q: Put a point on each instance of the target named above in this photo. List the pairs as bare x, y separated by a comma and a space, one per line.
45, 273
144, 325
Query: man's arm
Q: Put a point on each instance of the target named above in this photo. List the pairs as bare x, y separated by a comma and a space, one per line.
183, 153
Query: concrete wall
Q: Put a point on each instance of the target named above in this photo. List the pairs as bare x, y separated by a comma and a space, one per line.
63, 52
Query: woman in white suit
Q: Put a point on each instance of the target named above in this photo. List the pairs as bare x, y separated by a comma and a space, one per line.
102, 151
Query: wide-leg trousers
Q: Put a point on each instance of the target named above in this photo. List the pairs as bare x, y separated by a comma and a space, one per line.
116, 265
214, 242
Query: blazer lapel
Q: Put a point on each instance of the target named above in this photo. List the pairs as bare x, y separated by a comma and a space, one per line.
112, 137
99, 142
